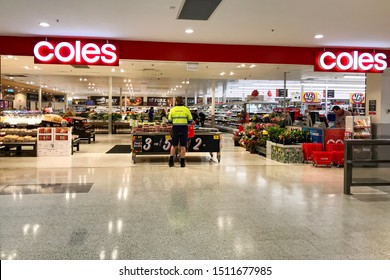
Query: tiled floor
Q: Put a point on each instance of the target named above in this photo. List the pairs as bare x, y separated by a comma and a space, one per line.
94, 205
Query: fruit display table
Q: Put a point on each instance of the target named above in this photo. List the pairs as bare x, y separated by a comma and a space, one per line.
159, 143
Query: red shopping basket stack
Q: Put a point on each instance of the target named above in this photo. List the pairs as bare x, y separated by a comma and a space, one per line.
338, 158
308, 149
322, 158
337, 150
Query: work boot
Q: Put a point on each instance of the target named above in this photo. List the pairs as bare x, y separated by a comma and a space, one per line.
183, 162
171, 163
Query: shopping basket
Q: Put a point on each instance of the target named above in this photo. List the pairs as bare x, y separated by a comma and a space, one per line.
322, 158
308, 149
330, 147
191, 131
338, 158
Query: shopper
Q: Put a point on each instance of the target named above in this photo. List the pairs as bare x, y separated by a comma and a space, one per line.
163, 116
150, 114
195, 117
89, 101
202, 118
69, 112
340, 116
180, 116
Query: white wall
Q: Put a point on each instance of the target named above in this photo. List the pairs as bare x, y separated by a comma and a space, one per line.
385, 102
374, 92
20, 101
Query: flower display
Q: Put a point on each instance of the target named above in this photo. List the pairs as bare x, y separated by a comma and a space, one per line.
257, 134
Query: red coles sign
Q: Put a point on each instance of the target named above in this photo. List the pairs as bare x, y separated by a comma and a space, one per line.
350, 62
76, 53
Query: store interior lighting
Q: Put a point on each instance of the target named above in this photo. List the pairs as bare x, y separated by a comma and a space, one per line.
358, 77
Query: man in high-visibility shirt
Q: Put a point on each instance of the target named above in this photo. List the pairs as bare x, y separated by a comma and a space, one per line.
180, 117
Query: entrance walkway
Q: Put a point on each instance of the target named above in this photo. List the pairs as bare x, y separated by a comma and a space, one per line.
94, 205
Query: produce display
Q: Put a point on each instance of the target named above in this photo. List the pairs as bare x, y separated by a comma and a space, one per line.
151, 127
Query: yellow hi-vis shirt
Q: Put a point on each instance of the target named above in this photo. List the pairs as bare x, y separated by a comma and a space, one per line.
180, 115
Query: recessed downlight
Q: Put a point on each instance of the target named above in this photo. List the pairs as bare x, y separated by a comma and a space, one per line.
319, 36
44, 24
189, 31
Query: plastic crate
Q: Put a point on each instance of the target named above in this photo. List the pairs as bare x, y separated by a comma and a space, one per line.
322, 158
308, 149
338, 158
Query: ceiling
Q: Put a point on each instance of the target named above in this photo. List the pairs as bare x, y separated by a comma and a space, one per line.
347, 23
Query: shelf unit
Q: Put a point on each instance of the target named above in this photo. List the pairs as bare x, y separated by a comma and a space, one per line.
18, 142
227, 115
359, 127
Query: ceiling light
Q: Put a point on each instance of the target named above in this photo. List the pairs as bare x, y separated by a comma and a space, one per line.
44, 24
354, 77
253, 65
223, 73
189, 31
231, 73
319, 36
192, 66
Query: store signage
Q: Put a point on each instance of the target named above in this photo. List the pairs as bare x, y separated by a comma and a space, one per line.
190, 101
354, 61
280, 92
161, 143
76, 53
159, 101
372, 107
8, 96
310, 97
330, 93
357, 98
104, 101
133, 101
32, 97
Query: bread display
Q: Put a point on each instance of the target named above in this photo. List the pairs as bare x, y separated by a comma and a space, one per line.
52, 118
17, 139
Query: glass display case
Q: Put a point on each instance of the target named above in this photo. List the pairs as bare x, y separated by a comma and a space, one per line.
21, 117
